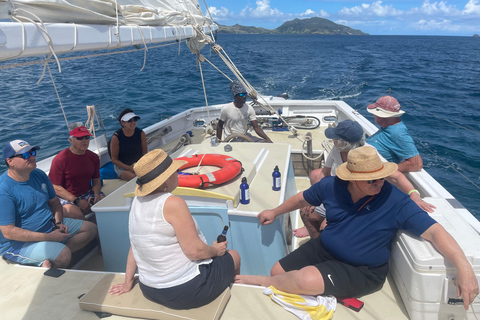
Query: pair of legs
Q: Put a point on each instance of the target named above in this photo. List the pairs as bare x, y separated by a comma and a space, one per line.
71, 210
54, 254
123, 174
311, 270
313, 220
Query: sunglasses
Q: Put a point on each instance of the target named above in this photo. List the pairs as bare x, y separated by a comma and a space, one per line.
83, 138
242, 94
26, 155
134, 119
372, 181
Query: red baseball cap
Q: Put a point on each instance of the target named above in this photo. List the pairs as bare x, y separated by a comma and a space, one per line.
80, 132
386, 107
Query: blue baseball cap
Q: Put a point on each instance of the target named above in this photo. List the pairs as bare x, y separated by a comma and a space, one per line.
17, 147
348, 130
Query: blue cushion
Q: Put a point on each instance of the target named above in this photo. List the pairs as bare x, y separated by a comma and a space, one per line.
107, 171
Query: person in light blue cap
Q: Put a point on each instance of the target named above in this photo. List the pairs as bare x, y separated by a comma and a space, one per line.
235, 116
346, 136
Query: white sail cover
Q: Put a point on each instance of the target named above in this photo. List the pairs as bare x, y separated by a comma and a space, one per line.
111, 12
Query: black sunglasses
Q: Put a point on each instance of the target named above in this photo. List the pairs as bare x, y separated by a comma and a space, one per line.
26, 155
372, 181
242, 94
83, 138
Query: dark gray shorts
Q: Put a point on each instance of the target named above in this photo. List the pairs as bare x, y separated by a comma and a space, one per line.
341, 279
201, 290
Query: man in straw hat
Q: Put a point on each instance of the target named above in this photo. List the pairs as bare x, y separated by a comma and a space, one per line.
392, 140
364, 213
176, 267
235, 115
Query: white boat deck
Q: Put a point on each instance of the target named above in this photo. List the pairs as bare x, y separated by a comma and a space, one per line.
26, 293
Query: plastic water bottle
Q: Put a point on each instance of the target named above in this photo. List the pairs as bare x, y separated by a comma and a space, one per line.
277, 181
244, 192
223, 237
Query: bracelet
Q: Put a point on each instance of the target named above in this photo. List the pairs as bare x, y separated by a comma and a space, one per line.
59, 223
75, 202
412, 191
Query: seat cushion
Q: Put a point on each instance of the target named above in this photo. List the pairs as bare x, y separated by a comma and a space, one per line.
134, 304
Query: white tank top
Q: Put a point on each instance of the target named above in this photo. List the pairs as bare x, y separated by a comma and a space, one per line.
160, 260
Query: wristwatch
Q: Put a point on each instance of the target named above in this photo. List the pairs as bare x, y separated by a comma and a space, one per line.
60, 222
75, 202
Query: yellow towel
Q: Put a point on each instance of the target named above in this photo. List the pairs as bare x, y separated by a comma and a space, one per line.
304, 307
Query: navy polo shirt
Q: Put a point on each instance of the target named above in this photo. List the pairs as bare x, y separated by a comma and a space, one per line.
361, 234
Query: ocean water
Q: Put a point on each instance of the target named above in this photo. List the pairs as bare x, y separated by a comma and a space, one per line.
436, 80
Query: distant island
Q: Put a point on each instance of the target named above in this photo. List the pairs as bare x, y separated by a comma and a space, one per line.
297, 26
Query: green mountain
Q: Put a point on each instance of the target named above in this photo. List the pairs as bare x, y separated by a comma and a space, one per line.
298, 26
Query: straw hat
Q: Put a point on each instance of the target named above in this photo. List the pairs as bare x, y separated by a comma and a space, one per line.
153, 169
364, 164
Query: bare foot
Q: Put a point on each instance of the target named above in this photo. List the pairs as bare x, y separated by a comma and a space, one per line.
301, 232
47, 264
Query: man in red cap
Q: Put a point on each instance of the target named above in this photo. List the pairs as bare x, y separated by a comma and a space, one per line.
392, 140
75, 175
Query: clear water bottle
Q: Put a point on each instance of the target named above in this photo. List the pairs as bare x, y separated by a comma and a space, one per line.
244, 192
277, 181
223, 237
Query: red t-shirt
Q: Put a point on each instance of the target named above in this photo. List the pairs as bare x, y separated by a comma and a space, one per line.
75, 172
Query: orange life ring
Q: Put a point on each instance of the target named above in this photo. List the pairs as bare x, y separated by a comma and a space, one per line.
230, 168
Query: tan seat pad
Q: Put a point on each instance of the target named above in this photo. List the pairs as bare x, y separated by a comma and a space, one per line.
134, 304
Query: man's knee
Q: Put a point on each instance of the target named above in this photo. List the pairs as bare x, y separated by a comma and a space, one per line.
89, 228
315, 176
276, 269
72, 211
63, 258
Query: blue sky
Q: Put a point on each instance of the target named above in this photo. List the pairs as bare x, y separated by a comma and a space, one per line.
398, 17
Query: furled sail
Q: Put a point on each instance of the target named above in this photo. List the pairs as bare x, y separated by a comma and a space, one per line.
123, 12
42, 27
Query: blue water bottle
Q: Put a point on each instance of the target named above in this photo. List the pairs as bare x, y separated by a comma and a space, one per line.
244, 192
277, 182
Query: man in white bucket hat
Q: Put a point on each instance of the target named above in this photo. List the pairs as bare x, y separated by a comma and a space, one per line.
364, 213
392, 140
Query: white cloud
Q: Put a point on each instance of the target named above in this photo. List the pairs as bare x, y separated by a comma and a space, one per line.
374, 9
444, 24
263, 10
472, 7
436, 8
219, 14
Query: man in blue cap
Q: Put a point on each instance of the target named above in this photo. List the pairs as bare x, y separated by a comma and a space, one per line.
32, 228
236, 114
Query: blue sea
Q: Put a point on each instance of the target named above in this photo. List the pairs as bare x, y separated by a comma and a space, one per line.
436, 80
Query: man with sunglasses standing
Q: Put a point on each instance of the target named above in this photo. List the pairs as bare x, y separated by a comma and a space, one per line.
75, 174
236, 115
33, 230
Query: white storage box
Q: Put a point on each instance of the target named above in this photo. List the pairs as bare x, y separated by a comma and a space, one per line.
425, 278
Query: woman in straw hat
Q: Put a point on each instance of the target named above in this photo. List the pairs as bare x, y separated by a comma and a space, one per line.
364, 213
175, 265
346, 136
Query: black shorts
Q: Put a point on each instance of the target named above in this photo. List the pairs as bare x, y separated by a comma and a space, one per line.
201, 290
341, 279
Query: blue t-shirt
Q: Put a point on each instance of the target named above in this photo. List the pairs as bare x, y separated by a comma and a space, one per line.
394, 143
361, 234
25, 204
